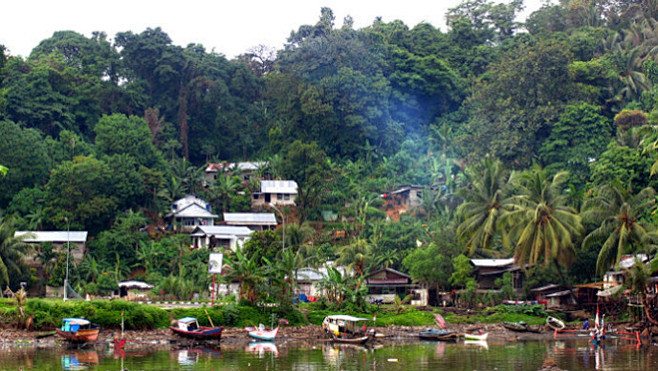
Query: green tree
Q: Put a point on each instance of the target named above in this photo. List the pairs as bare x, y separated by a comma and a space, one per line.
485, 200
622, 224
307, 164
118, 134
23, 151
357, 256
248, 272
84, 191
541, 224
12, 251
575, 141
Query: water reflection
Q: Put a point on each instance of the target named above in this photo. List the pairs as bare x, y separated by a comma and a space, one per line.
575, 354
261, 348
477, 343
79, 360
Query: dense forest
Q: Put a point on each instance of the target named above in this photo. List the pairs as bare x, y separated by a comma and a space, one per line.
533, 139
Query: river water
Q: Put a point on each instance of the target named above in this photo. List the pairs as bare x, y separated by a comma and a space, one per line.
492, 355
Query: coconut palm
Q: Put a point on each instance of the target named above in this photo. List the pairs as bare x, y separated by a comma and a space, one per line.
225, 187
483, 205
248, 273
540, 222
355, 256
12, 250
621, 229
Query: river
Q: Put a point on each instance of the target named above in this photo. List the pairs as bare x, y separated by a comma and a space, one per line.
574, 354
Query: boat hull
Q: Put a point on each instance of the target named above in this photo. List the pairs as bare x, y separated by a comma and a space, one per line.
202, 333
80, 336
440, 335
555, 323
264, 334
357, 340
476, 337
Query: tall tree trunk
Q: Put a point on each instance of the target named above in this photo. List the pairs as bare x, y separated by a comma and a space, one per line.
182, 120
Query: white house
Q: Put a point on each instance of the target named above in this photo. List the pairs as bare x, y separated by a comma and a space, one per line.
279, 192
190, 212
59, 240
214, 236
253, 221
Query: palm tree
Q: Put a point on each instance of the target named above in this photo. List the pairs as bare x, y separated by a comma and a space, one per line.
621, 228
356, 256
639, 275
540, 222
284, 271
224, 188
332, 284
485, 202
12, 250
248, 273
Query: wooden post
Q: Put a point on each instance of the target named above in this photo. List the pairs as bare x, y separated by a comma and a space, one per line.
212, 295
209, 319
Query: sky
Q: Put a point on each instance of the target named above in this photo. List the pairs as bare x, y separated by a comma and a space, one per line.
223, 26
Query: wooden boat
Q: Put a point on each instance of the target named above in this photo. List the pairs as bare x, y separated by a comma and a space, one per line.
442, 335
78, 330
189, 327
516, 326
477, 337
555, 323
261, 333
347, 329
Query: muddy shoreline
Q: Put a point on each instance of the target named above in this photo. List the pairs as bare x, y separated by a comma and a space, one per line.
232, 336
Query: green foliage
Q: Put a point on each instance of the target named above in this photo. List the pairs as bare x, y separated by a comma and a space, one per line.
575, 142
24, 153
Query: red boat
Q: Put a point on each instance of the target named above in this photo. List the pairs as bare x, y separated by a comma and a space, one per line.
78, 330
189, 327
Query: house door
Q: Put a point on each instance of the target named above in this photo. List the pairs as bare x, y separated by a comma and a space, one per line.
267, 198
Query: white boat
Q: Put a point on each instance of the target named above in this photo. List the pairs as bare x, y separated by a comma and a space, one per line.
261, 333
477, 337
555, 323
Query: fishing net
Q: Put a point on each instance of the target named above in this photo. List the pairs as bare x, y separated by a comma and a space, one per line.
70, 293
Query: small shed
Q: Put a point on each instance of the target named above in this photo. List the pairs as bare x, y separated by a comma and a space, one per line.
386, 283
134, 290
487, 271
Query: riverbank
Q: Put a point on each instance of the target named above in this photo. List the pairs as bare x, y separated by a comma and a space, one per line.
238, 336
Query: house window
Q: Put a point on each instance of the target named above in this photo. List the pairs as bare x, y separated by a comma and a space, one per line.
286, 197
255, 196
188, 221
419, 194
279, 196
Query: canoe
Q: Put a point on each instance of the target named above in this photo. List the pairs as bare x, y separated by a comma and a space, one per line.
261, 333
555, 323
479, 337
189, 327
442, 335
78, 330
440, 321
516, 326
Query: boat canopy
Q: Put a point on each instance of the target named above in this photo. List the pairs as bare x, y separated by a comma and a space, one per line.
346, 318
187, 320
76, 321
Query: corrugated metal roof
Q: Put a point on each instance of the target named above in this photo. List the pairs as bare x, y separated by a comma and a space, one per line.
193, 211
492, 262
53, 236
278, 186
250, 218
223, 230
